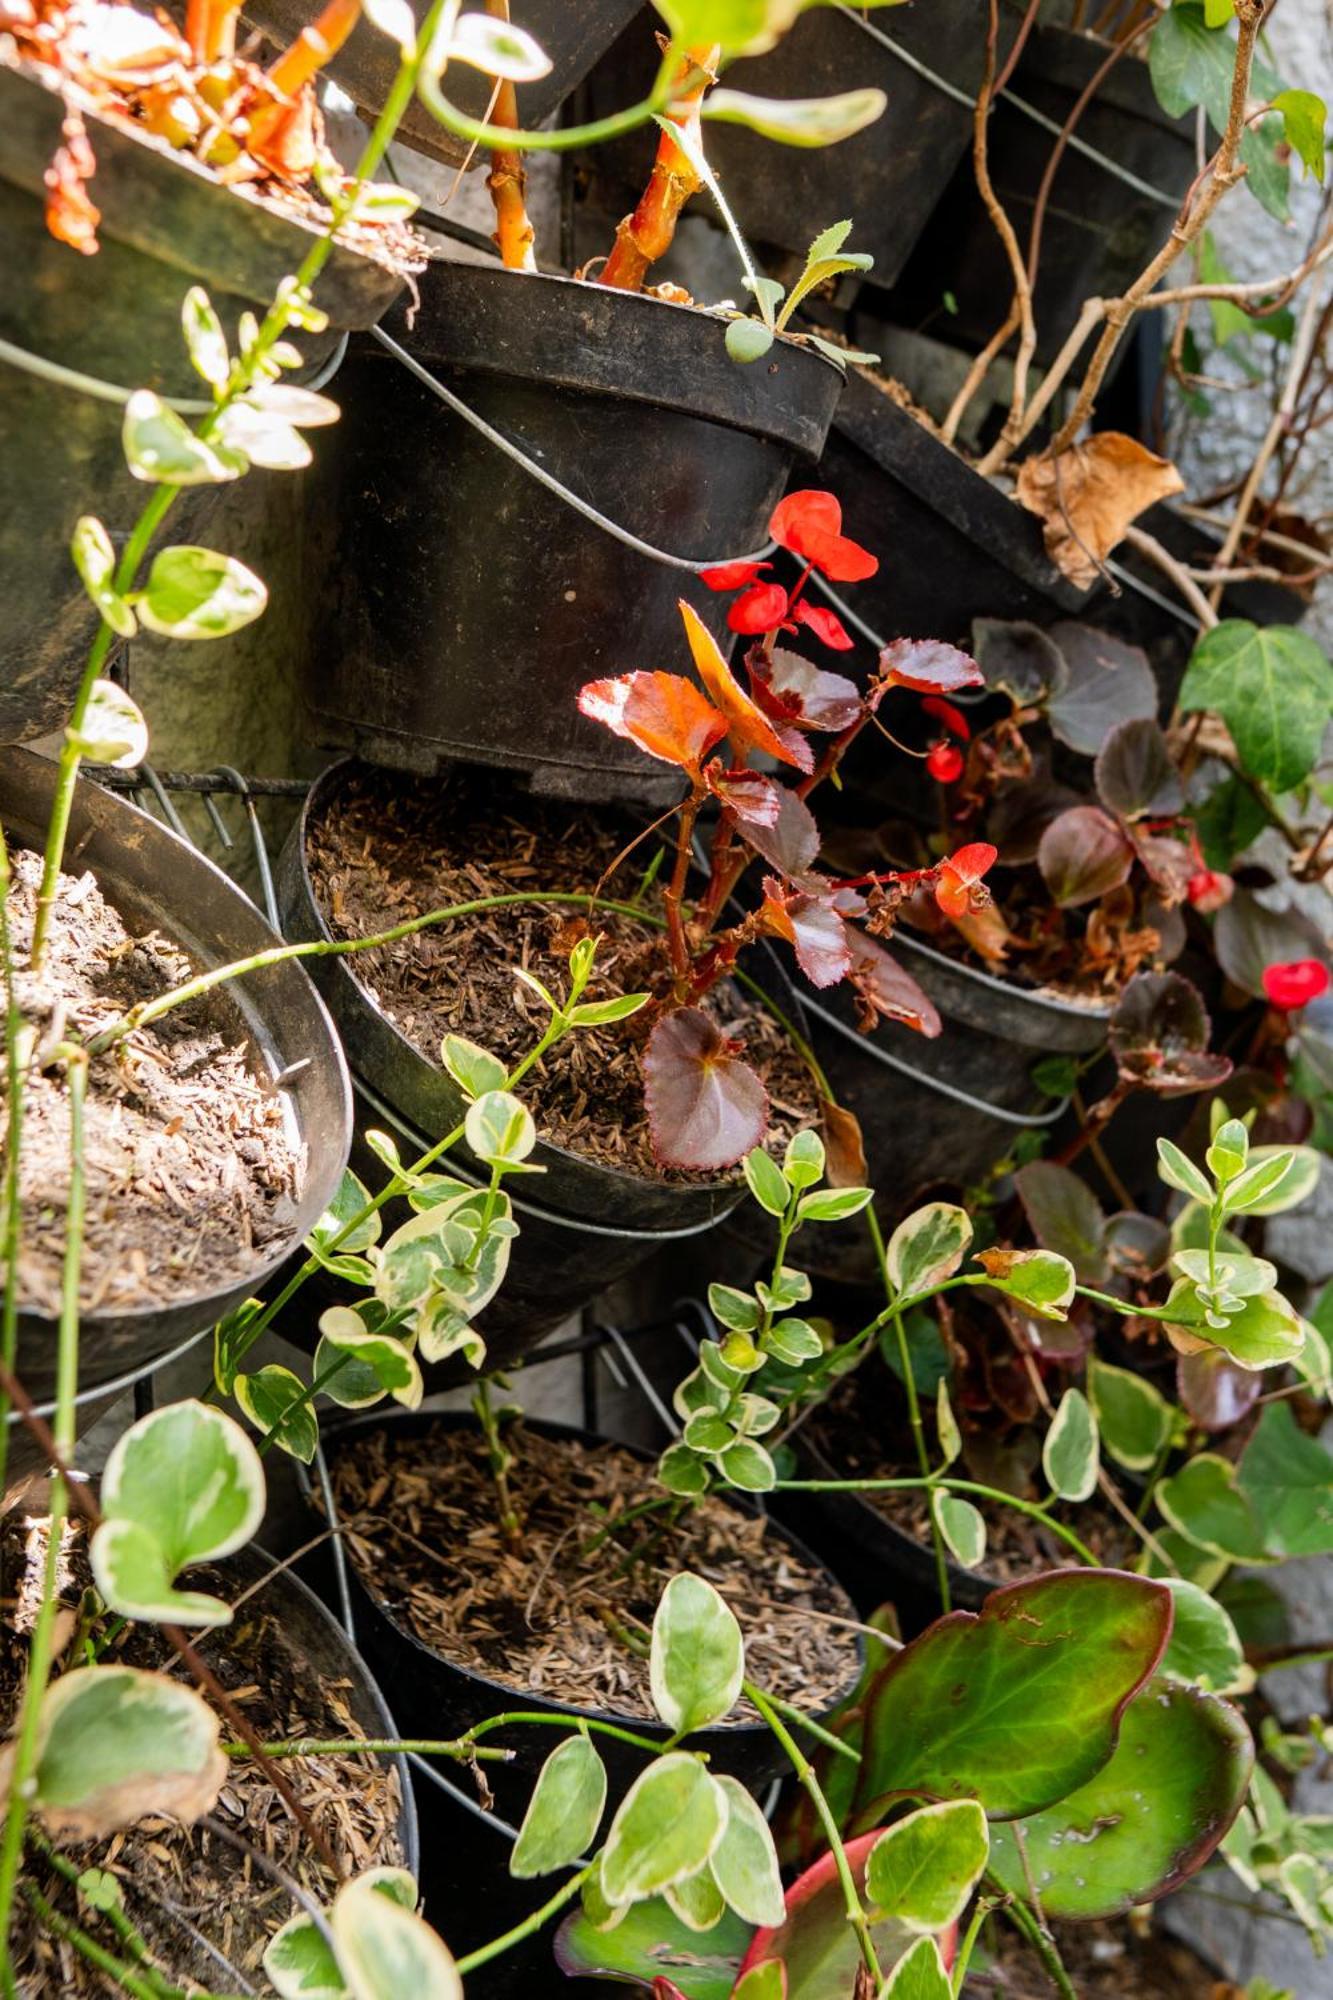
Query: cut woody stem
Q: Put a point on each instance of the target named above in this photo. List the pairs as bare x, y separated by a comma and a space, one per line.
507, 179
647, 234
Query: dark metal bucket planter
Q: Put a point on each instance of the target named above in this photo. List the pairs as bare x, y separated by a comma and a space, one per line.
472, 603
167, 223
1099, 231
24, 1456
159, 882
888, 177
952, 547
942, 1110
435, 1697
425, 1096
573, 34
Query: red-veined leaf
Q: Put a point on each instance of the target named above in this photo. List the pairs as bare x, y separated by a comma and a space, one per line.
706, 1108
809, 524
813, 928
791, 844
928, 665
825, 624
663, 713
748, 794
793, 690
747, 725
885, 988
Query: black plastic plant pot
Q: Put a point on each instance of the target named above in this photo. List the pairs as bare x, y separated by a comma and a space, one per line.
425, 1097
573, 34
167, 223
557, 1264
888, 177
158, 882
330, 1658
472, 603
24, 1456
952, 546
1098, 231
942, 1110
436, 1697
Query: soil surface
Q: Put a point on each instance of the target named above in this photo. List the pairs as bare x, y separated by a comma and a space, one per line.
193, 1173
189, 1892
388, 849
851, 1433
425, 1538
1104, 1962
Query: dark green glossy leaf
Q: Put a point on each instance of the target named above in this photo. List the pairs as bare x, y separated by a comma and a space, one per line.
650, 1942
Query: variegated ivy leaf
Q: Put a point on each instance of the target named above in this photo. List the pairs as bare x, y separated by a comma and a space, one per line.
1069, 1455
923, 1869
160, 447
799, 121
386, 1951
667, 1827
927, 1247
697, 1656
205, 341
395, 19
1261, 1332
962, 1527
804, 1160
262, 437
500, 48
564, 1812
474, 1069
370, 1363
95, 560
113, 730
195, 593
115, 1744
500, 1130
444, 1329
1041, 1281
268, 1397
183, 1485
946, 1424
352, 1200
744, 1864
299, 1960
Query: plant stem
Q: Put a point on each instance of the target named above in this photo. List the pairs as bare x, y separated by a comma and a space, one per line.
41, 1650
813, 1728
507, 179
946, 1481
913, 1400
673, 893
806, 1778
499, 1458
1042, 1943
460, 1748
985, 1904
142, 1986
646, 235
11, 1222
486, 1952
597, 131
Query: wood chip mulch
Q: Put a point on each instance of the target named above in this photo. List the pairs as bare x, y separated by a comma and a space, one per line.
423, 1533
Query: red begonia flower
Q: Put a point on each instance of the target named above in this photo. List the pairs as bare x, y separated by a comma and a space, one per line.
960, 874
825, 625
809, 525
731, 576
1297, 983
945, 763
761, 608
1208, 890
953, 718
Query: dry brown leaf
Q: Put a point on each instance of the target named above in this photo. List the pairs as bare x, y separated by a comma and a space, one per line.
1087, 496
844, 1147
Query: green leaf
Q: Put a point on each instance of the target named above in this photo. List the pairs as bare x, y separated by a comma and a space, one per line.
1205, 1648
946, 1424
748, 339
697, 1659
1203, 1503
918, 1975
95, 560
650, 1941
766, 1181
1069, 1454
668, 1826
498, 47
1287, 1478
161, 448
372, 1363
1018, 1705
1271, 685
474, 1069
745, 1862
794, 1341
803, 1161
230, 1340
1147, 1820
182, 1485
599, 1013
205, 341
1263, 1334
351, 1198
738, 1311
797, 121
963, 1528
833, 1204
1292, 1188
500, 1130
748, 1466
1303, 116
924, 1868
195, 593
113, 731
387, 1951
927, 1247
564, 1812
927, 1355
1228, 319
1041, 1281
266, 1397
681, 1472
1134, 1419
1180, 1172
115, 1744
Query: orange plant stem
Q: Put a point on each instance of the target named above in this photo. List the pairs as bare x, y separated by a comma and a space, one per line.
314, 46
646, 235
508, 179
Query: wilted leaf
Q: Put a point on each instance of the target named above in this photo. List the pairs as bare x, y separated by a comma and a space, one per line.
1147, 1821
885, 988
706, 1108
844, 1146
1159, 1034
1041, 1280
1087, 495
1083, 855
664, 714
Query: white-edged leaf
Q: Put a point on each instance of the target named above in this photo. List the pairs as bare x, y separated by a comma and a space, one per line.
113, 730
1180, 1172
474, 1069
161, 448
928, 1246
195, 593
205, 341
500, 48
564, 1812
745, 1861
267, 1397
923, 1869
95, 560
372, 1364
962, 1527
697, 1656
668, 1826
797, 121
387, 1952
1069, 1454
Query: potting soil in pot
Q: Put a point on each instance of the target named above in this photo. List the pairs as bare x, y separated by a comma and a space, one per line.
422, 1528
1110, 1961
390, 849
192, 1168
189, 1893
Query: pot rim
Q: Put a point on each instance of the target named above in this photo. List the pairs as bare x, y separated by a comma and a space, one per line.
423, 1420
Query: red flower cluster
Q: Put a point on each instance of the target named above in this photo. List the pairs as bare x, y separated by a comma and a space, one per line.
809, 526
944, 760
1296, 983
